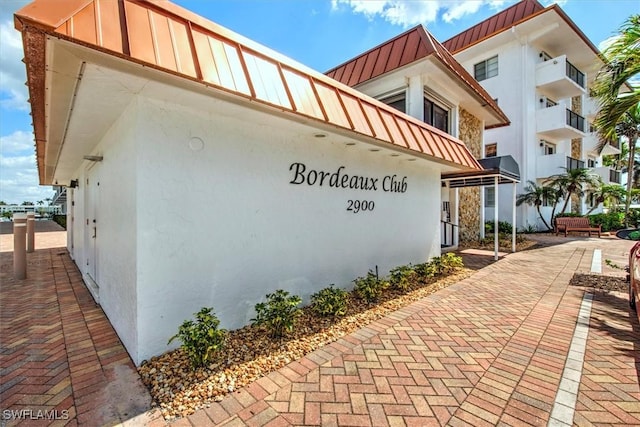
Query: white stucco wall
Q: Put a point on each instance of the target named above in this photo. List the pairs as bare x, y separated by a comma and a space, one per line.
223, 226
115, 207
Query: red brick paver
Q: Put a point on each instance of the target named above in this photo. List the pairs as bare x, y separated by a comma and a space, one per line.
489, 350
60, 360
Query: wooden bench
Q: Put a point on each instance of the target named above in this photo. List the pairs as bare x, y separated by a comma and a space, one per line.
567, 224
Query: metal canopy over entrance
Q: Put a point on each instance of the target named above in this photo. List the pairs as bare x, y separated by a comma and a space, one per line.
497, 170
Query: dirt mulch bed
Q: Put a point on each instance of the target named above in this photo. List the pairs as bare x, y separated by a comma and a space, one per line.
600, 282
522, 244
250, 354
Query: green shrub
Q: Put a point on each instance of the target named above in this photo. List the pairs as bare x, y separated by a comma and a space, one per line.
370, 287
426, 270
402, 277
634, 235
450, 262
609, 221
438, 266
202, 338
503, 227
330, 302
278, 314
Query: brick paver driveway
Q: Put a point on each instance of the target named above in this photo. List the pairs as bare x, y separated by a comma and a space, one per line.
490, 350
499, 348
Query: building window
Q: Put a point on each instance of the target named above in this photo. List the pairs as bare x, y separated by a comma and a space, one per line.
548, 148
398, 102
491, 150
436, 116
489, 197
486, 69
591, 163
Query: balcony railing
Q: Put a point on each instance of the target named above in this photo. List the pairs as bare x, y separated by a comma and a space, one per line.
574, 164
575, 120
574, 74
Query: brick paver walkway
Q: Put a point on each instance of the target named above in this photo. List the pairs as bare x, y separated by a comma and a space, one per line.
489, 350
59, 356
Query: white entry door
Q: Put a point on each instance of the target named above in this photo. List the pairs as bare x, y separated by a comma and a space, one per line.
92, 189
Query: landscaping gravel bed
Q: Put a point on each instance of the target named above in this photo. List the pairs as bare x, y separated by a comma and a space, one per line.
249, 354
600, 282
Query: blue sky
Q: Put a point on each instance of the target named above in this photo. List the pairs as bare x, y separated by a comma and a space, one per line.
318, 33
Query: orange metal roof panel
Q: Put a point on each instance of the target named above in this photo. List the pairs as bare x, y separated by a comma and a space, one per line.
266, 80
172, 39
182, 49
109, 36
376, 122
492, 25
370, 62
302, 93
432, 143
395, 132
332, 105
140, 36
360, 122
163, 42
83, 25
412, 143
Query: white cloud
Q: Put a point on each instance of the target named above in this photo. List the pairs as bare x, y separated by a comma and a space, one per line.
18, 172
13, 92
407, 13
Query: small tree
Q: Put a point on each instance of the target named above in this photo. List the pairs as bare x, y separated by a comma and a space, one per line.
536, 195
574, 181
610, 194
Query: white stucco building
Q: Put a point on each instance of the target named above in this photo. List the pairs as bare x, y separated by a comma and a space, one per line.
538, 65
203, 169
415, 74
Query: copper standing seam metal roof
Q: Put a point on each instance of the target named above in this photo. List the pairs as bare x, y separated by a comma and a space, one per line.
510, 17
162, 35
406, 48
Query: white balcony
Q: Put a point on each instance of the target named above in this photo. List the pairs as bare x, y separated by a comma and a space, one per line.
558, 122
557, 78
608, 175
554, 164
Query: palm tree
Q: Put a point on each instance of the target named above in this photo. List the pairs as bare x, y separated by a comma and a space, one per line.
610, 194
536, 195
40, 202
573, 181
629, 127
611, 88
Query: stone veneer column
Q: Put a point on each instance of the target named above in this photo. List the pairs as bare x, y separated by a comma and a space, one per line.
576, 150
470, 132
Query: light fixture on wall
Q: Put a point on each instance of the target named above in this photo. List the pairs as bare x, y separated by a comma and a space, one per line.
73, 183
93, 158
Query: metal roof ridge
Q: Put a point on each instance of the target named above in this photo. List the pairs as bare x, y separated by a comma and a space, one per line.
199, 29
